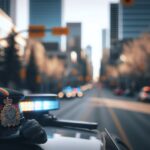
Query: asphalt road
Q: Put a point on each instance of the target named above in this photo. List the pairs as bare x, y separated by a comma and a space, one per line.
122, 116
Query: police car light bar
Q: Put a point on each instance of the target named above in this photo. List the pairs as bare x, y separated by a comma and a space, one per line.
37, 105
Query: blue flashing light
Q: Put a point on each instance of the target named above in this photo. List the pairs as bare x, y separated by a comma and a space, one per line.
43, 105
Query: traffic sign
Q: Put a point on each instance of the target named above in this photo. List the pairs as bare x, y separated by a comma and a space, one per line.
36, 31
127, 2
60, 31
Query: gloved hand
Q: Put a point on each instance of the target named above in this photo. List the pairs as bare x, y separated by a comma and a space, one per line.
33, 132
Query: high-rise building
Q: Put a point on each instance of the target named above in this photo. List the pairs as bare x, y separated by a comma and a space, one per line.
113, 22
105, 49
47, 13
105, 45
134, 19
14, 9
5, 6
105, 39
74, 37
113, 34
35, 12
88, 52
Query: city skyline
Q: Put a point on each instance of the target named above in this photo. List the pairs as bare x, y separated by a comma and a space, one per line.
91, 24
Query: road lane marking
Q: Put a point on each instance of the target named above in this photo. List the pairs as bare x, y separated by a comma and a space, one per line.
109, 104
121, 104
119, 127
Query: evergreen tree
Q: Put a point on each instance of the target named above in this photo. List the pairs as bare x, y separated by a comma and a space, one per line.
12, 63
32, 74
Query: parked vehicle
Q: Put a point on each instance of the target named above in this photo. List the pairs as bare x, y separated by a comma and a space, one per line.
128, 92
144, 94
118, 91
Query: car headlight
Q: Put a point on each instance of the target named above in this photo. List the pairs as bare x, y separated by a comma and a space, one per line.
69, 95
60, 94
80, 94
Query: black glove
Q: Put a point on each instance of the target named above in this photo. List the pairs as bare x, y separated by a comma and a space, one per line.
32, 131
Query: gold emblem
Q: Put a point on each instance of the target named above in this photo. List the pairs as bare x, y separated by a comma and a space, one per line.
10, 115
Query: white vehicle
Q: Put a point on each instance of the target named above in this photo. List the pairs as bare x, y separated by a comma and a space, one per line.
54, 134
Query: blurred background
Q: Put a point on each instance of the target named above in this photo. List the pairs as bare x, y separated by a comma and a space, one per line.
37, 62
95, 54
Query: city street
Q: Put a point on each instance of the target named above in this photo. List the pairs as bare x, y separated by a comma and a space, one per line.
79, 51
122, 116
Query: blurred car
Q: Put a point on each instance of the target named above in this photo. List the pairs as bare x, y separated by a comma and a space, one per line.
77, 92
86, 87
129, 92
67, 92
118, 91
144, 94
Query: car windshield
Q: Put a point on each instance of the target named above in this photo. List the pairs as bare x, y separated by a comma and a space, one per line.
93, 54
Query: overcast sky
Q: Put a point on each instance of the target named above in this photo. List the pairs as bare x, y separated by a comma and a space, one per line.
94, 16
